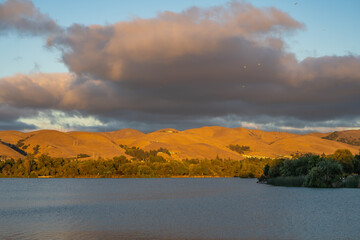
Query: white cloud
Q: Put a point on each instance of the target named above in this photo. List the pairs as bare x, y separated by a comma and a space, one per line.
61, 121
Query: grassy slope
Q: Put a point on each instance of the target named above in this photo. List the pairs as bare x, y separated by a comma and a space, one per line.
205, 142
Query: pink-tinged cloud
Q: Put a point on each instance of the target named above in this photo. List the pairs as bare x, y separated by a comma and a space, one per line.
22, 17
109, 52
34, 91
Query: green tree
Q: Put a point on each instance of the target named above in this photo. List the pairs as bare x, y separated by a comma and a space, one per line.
145, 171
325, 174
346, 158
356, 164
29, 163
275, 168
266, 170
239, 149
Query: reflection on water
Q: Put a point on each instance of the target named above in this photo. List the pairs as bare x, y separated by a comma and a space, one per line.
219, 208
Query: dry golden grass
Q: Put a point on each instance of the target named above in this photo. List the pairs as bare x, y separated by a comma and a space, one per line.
124, 136
8, 152
205, 142
12, 136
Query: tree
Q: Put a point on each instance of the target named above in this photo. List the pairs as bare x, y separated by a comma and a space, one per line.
144, 170
239, 149
325, 174
275, 169
266, 170
29, 163
356, 163
346, 158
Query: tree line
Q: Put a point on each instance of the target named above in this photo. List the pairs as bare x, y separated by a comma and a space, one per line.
310, 170
141, 164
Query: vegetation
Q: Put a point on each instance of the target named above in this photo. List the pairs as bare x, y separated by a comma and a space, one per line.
332, 136
82, 155
311, 170
293, 181
352, 181
36, 149
142, 155
239, 149
348, 140
142, 164
338, 169
14, 147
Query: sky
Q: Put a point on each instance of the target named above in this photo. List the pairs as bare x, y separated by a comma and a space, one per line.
275, 65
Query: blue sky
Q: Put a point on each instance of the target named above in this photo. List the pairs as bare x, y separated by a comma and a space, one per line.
332, 27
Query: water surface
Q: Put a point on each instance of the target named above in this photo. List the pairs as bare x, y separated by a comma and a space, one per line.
185, 208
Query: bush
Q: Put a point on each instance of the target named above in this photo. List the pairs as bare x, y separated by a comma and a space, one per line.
82, 155
327, 173
33, 175
291, 181
239, 149
316, 171
275, 168
356, 164
352, 181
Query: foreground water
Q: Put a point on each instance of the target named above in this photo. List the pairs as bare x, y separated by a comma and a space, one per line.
210, 208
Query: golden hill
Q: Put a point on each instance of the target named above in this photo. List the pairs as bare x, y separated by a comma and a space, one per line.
12, 136
205, 142
68, 145
351, 137
6, 151
124, 136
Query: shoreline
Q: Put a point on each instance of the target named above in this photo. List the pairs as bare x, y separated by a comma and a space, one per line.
127, 177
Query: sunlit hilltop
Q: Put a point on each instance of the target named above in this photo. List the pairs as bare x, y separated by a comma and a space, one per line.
201, 143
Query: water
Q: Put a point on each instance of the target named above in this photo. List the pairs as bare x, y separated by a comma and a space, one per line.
219, 208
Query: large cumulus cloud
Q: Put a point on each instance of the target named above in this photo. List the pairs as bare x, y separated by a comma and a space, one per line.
114, 52
219, 65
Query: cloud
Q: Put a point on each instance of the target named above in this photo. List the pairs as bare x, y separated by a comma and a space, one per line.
34, 91
22, 17
9, 116
112, 52
224, 65
59, 120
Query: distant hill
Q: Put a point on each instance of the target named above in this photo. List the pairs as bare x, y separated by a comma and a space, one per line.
351, 137
205, 142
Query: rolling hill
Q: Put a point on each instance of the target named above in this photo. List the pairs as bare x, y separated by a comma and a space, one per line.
351, 137
205, 142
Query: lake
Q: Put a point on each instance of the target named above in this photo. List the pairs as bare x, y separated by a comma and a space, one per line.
175, 208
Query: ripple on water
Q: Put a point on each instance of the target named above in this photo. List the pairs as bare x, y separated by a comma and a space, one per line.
219, 208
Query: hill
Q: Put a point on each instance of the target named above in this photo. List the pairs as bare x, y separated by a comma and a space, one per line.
205, 142
67, 145
351, 137
7, 152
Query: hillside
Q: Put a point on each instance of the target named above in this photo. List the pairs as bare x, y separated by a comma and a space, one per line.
351, 137
6, 151
205, 142
67, 145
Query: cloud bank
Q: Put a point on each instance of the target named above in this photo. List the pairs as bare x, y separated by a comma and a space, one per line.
220, 65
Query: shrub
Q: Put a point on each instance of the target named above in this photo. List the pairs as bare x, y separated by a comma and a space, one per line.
239, 149
33, 175
291, 181
325, 174
352, 181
